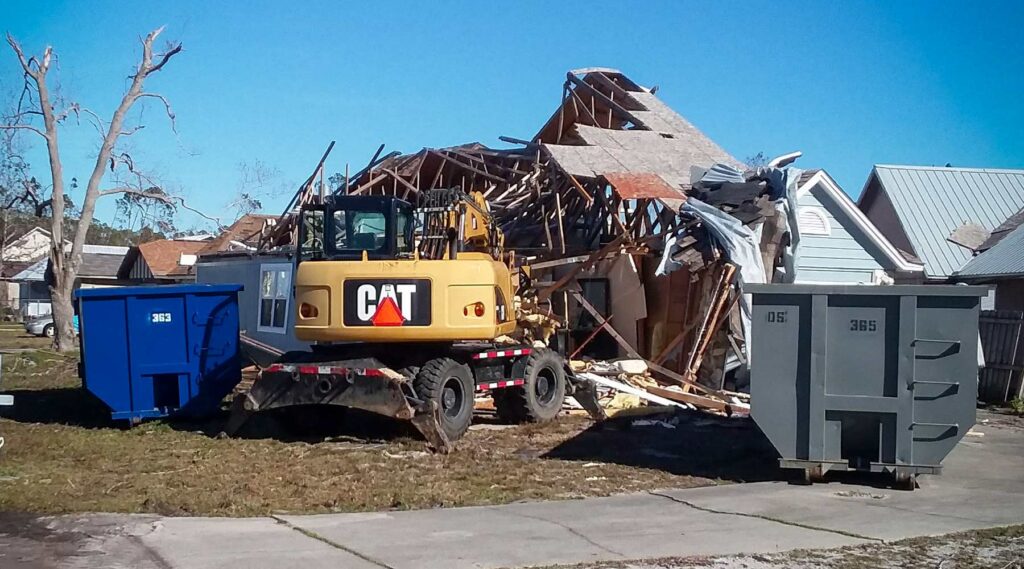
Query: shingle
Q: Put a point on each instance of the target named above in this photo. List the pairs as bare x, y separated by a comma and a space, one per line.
1004, 229
667, 146
245, 230
163, 255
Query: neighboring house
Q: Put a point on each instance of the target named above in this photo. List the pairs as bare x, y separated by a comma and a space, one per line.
99, 268
33, 245
162, 261
919, 208
15, 257
266, 313
10, 293
838, 244
242, 235
1001, 264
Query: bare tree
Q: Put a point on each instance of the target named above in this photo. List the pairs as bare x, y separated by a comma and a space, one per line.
257, 181
41, 105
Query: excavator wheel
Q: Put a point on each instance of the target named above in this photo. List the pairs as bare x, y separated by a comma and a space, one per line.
541, 396
448, 384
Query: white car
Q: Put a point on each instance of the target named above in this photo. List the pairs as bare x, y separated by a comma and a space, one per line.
43, 325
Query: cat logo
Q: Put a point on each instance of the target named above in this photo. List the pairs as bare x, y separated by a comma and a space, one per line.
378, 302
389, 306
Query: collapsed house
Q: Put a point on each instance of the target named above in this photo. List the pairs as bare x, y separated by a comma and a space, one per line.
632, 229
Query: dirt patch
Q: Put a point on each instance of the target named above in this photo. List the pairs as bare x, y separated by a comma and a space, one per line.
999, 548
63, 454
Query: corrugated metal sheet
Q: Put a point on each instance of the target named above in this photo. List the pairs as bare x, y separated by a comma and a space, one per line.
1004, 259
932, 202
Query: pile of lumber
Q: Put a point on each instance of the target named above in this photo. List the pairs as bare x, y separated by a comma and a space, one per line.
633, 383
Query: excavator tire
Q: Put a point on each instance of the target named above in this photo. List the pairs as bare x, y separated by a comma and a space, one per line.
541, 396
449, 384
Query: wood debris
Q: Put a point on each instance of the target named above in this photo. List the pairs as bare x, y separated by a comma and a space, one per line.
587, 207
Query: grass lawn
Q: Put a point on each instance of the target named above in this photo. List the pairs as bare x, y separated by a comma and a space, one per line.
63, 454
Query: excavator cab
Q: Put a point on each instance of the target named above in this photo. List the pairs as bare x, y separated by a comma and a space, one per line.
342, 228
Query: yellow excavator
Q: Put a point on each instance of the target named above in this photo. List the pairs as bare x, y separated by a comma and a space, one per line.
404, 305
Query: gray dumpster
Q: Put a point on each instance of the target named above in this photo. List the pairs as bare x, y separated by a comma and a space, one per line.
873, 378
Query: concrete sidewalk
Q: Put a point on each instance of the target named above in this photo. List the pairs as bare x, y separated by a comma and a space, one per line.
983, 486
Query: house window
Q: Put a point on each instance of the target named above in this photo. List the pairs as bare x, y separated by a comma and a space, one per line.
812, 221
275, 290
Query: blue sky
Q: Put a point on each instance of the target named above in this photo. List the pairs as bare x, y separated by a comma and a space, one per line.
851, 84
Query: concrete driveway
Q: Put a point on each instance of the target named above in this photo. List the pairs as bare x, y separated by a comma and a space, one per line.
983, 486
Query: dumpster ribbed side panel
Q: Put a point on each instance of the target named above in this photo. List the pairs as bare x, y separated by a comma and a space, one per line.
864, 378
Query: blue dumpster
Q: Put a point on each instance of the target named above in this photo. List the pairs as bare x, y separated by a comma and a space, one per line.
156, 351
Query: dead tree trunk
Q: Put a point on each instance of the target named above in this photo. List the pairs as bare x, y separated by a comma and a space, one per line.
64, 265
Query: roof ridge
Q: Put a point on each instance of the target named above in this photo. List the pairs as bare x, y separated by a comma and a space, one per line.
951, 168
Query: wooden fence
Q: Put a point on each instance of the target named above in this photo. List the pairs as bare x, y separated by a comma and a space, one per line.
1002, 341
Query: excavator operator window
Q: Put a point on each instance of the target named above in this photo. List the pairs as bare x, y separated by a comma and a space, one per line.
311, 234
404, 225
360, 230
346, 227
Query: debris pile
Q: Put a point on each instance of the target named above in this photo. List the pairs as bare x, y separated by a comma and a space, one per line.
602, 207
628, 384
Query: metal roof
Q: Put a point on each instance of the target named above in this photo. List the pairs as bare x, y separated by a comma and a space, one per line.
1004, 259
931, 202
1004, 229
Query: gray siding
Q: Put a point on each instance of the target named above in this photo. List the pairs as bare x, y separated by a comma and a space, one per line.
140, 270
246, 271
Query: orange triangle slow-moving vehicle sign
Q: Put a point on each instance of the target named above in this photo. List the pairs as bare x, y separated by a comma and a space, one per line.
388, 313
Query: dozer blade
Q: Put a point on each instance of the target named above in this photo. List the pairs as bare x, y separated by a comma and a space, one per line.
375, 389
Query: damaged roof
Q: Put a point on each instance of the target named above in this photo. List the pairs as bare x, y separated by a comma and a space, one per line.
163, 257
931, 202
1004, 229
1004, 260
1001, 255
625, 128
245, 231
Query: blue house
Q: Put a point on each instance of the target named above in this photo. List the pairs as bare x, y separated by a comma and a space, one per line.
838, 244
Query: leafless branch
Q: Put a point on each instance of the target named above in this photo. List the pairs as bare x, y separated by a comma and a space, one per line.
184, 205
25, 65
157, 194
164, 58
72, 108
167, 107
23, 127
132, 130
96, 121
152, 192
